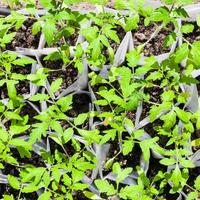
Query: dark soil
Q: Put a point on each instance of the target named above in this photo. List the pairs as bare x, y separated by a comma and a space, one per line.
195, 35
80, 104
6, 189
24, 37
23, 86
68, 75
130, 160
155, 46
28, 110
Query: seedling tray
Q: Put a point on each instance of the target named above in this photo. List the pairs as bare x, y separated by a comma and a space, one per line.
99, 108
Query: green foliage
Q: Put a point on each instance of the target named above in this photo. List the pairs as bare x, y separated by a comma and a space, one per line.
57, 146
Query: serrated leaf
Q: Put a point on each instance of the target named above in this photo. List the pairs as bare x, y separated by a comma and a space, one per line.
183, 115
8, 37
8, 197
188, 28
133, 58
55, 125
167, 161
127, 147
13, 182
56, 85
132, 22
80, 119
176, 176
181, 53
23, 61
67, 135
123, 174
49, 29
12, 115
104, 186
90, 33
17, 129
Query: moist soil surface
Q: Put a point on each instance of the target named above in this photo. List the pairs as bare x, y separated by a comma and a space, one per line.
155, 46
68, 74
24, 37
23, 87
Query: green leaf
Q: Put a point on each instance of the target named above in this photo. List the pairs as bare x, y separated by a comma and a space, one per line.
46, 178
79, 51
96, 50
90, 33
90, 136
14, 183
183, 115
20, 143
145, 150
145, 146
127, 147
49, 29
188, 28
8, 197
12, 115
91, 196
133, 58
169, 40
67, 135
176, 176
123, 174
46, 3
168, 161
36, 28
156, 110
79, 65
80, 119
55, 125
154, 76
116, 168
65, 103
17, 129
192, 195
77, 175
186, 163
195, 52
169, 120
104, 186
8, 38
168, 95
79, 186
111, 33
181, 53
30, 188
45, 196
196, 142
12, 92
56, 85
23, 61
132, 22
197, 183
39, 97
198, 20
4, 135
